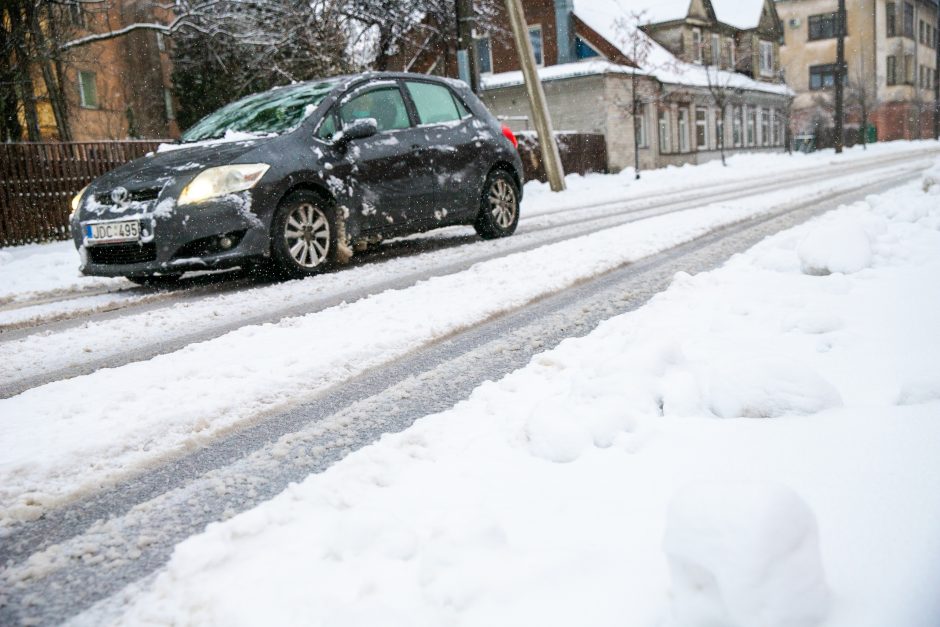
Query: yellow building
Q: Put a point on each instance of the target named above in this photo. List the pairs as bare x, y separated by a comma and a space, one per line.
890, 54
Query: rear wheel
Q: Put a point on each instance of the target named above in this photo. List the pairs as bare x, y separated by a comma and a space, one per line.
303, 235
499, 212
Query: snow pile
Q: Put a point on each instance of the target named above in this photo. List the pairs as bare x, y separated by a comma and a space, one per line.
546, 497
44, 270
835, 246
763, 388
931, 180
744, 554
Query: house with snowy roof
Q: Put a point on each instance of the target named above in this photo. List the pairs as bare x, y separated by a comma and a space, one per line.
708, 74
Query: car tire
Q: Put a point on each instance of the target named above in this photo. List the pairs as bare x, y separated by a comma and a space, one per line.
304, 235
499, 206
156, 280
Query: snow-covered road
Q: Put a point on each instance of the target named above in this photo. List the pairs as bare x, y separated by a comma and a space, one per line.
273, 350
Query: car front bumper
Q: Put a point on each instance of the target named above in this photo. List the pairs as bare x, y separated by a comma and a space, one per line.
216, 234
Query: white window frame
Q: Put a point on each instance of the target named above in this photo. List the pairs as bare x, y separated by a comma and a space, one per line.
684, 129
530, 29
766, 58
489, 51
716, 50
697, 45
732, 54
703, 123
750, 127
663, 129
641, 128
82, 77
737, 126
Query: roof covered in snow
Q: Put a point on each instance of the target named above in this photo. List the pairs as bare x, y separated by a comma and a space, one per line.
601, 14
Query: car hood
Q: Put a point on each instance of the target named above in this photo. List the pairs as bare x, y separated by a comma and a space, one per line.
177, 162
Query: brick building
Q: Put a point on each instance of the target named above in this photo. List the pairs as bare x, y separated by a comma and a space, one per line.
891, 62
119, 87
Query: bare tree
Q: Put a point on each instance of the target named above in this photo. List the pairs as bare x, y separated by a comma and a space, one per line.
724, 91
861, 96
638, 46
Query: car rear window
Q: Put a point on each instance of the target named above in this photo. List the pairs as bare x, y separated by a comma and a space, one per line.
435, 103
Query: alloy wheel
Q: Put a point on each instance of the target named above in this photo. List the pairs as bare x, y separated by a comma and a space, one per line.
502, 198
307, 233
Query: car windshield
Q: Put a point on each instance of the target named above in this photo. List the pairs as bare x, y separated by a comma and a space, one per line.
275, 111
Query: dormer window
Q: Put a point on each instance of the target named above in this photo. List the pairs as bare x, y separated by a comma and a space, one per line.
766, 58
697, 45
716, 50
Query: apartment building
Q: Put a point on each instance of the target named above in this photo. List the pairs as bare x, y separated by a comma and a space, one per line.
891, 64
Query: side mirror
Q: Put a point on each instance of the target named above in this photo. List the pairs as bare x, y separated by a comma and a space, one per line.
358, 129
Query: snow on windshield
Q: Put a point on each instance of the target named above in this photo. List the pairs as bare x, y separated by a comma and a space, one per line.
275, 111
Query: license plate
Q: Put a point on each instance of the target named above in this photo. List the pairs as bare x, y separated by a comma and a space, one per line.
110, 232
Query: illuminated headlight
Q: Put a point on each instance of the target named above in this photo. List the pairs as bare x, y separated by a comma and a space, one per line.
226, 179
77, 200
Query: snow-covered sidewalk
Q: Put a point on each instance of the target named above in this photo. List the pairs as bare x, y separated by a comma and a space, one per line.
756, 446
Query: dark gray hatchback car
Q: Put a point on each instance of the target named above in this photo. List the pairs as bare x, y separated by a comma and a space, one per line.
297, 177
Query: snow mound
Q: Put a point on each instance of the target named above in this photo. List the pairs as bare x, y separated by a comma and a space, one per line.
742, 555
768, 389
839, 245
813, 323
560, 433
923, 389
931, 179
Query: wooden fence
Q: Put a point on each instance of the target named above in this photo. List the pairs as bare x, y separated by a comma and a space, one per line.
38, 181
580, 153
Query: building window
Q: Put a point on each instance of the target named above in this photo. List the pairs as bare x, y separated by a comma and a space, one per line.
909, 69
663, 131
766, 58
751, 126
716, 50
161, 44
731, 56
684, 130
484, 55
920, 32
584, 50
535, 36
823, 26
701, 128
719, 129
824, 76
639, 127
77, 14
168, 104
697, 45
87, 90
736, 116
891, 23
909, 20
892, 70
764, 127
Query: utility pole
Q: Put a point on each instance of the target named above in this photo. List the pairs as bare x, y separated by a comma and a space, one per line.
467, 67
840, 77
533, 85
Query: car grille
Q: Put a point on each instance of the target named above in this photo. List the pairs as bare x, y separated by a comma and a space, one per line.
119, 254
138, 195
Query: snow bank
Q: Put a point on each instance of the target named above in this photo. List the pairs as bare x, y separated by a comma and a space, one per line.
744, 554
466, 518
46, 270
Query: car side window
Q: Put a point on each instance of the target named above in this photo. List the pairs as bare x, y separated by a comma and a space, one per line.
435, 103
385, 105
327, 127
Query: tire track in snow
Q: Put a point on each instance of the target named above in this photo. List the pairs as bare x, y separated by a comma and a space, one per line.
540, 230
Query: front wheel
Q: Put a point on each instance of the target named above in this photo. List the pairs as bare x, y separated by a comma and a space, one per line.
499, 211
303, 235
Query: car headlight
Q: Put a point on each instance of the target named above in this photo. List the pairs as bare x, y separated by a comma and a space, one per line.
226, 179
77, 200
